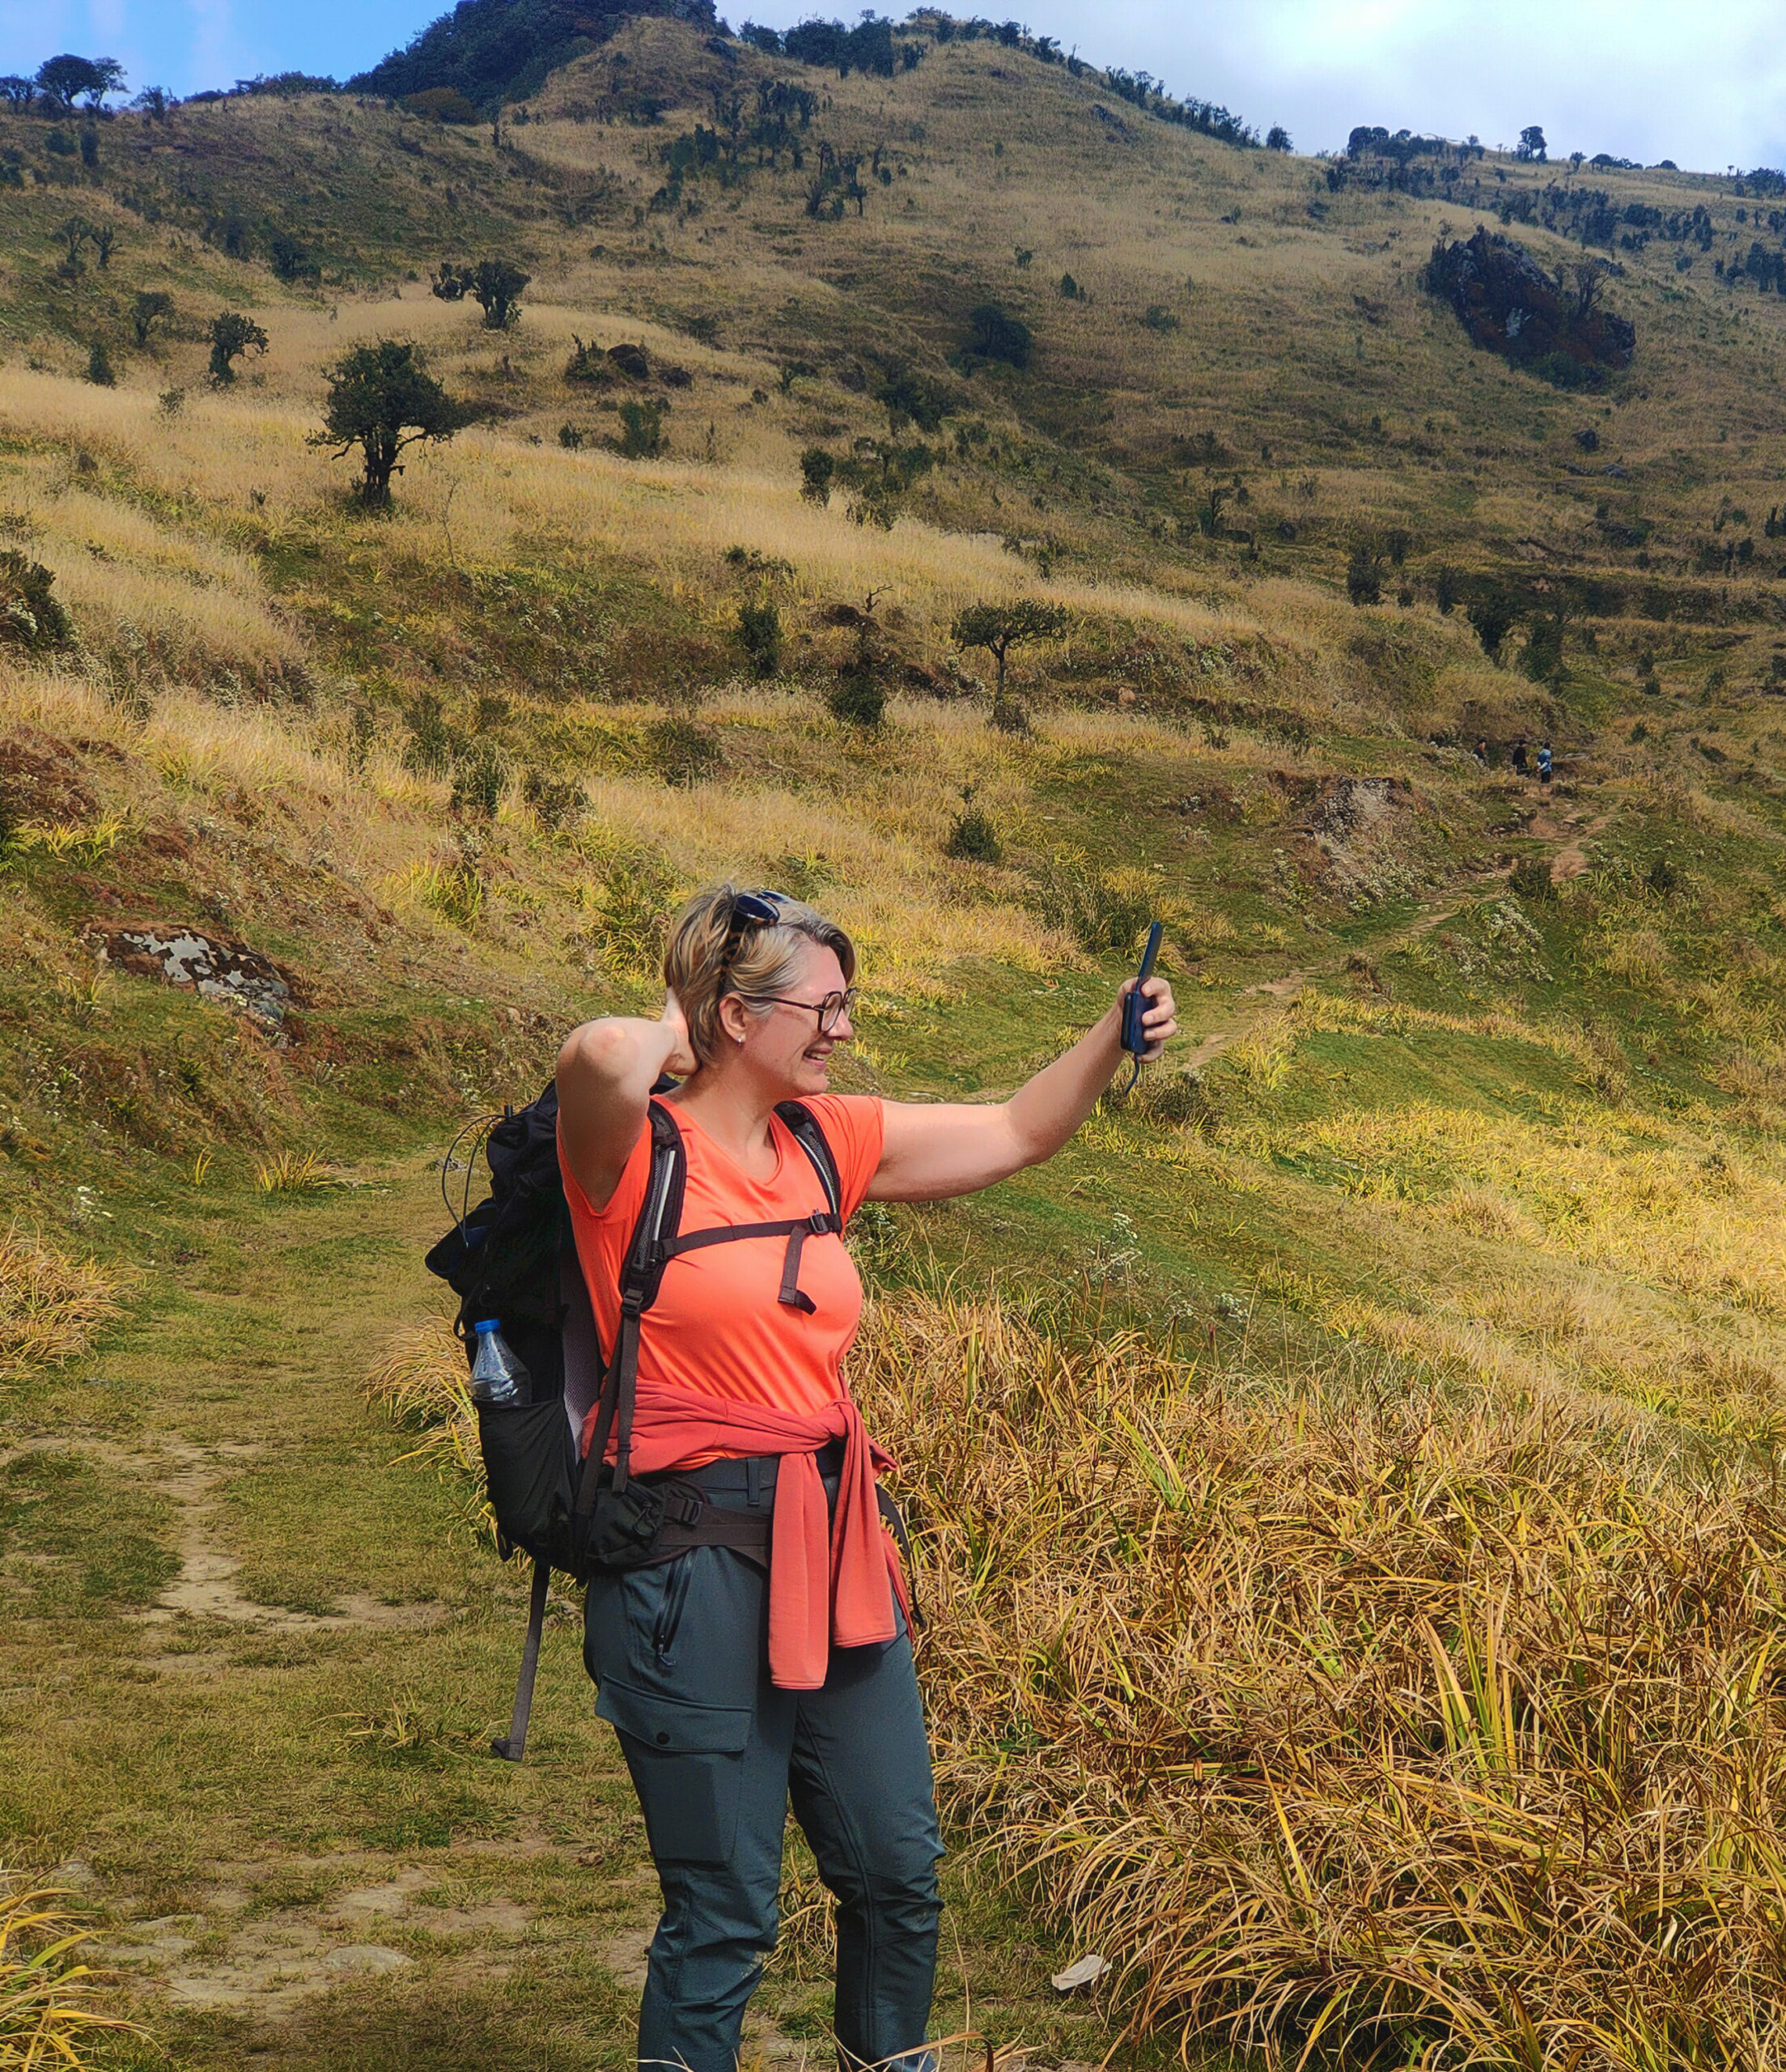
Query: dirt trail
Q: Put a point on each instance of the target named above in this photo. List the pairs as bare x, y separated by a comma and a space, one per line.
205, 1587
283, 1816
1572, 832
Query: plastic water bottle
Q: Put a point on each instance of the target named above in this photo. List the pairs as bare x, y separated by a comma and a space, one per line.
497, 1376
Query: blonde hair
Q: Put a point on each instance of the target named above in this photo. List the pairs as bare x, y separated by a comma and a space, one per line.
764, 961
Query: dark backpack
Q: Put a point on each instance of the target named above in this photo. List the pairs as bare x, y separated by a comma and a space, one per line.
514, 1257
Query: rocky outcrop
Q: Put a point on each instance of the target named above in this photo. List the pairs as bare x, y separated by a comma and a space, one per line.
1509, 305
229, 973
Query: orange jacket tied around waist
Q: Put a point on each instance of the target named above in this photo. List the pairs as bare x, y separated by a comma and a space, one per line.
831, 1580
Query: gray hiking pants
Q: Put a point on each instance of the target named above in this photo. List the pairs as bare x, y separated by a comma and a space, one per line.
679, 1654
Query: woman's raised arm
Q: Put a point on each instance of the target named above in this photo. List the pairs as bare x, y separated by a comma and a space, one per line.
606, 1072
932, 1151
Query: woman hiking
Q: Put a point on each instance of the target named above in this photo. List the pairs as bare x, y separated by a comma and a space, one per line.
734, 1689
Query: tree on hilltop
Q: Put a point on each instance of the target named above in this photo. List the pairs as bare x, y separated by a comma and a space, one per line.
60, 80
232, 334
383, 400
1532, 145
999, 628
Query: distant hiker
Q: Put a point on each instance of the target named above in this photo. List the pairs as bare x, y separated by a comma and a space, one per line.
1482, 753
736, 1679
1544, 763
1519, 762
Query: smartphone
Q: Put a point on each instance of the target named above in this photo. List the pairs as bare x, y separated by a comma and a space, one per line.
1134, 1039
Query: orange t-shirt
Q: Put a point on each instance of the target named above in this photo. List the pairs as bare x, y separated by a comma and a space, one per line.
718, 1327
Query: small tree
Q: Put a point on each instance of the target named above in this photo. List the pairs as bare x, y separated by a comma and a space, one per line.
1277, 137
152, 306
73, 233
382, 399
1492, 616
495, 285
232, 334
154, 104
1532, 145
99, 366
1542, 661
290, 257
105, 238
972, 837
1363, 585
16, 90
642, 433
999, 628
816, 468
993, 335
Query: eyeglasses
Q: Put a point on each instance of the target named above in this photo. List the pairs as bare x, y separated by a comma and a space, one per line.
830, 1010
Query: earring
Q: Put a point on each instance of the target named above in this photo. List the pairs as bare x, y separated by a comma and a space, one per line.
740, 1042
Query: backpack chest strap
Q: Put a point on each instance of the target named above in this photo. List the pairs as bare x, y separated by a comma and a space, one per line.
796, 1231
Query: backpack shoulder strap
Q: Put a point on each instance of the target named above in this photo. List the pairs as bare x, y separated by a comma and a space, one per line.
659, 1219
803, 1127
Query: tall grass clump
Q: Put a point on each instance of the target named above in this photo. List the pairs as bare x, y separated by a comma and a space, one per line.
1341, 1713
420, 1382
46, 2015
50, 1305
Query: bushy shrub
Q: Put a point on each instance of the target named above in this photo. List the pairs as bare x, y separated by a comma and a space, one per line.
817, 467
434, 743
1364, 586
478, 782
553, 801
1493, 615
858, 698
760, 635
30, 617
974, 839
993, 335
1531, 878
642, 433
681, 750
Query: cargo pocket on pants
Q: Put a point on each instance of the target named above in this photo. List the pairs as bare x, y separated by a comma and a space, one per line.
687, 1763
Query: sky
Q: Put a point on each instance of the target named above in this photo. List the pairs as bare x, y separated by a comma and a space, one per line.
1703, 84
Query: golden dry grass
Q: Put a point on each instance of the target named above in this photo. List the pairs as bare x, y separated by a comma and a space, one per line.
47, 2016
1336, 1710
421, 1382
51, 1306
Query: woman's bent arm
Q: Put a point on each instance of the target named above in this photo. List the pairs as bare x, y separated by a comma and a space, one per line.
932, 1151
606, 1072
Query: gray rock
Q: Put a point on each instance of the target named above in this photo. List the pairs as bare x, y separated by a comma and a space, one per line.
229, 973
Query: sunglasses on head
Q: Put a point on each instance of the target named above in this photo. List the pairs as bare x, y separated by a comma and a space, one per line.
750, 910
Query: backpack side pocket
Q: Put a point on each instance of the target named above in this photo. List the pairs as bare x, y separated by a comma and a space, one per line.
530, 1469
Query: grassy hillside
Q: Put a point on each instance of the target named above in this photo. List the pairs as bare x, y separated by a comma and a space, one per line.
1470, 1157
